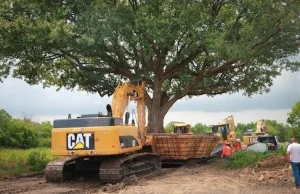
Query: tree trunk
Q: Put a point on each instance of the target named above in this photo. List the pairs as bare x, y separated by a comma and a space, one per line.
155, 112
155, 121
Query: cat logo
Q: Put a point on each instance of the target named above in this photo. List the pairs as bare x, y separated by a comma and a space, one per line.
80, 141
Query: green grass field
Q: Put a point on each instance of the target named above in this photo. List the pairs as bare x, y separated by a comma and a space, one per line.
16, 162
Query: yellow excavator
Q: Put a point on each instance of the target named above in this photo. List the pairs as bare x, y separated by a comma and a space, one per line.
250, 136
225, 129
181, 127
103, 143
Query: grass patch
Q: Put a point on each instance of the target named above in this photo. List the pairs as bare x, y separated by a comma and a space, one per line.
244, 159
16, 162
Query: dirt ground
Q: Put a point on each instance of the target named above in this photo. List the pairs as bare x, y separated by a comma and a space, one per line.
203, 178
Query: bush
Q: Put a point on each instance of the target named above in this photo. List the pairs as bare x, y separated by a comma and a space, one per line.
12, 164
281, 151
37, 160
45, 142
22, 135
15, 162
246, 158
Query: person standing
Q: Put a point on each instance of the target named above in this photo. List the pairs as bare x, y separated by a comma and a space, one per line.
237, 145
293, 156
226, 154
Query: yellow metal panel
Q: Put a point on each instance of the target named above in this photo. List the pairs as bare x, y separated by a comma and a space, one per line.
106, 140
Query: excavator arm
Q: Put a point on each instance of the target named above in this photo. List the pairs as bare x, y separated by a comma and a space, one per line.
261, 126
123, 94
230, 120
230, 134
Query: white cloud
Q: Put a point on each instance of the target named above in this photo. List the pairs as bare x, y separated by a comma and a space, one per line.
209, 118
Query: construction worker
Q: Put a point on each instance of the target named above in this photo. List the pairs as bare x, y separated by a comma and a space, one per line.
293, 157
226, 154
237, 145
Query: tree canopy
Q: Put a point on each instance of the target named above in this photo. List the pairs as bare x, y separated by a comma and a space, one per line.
179, 47
294, 121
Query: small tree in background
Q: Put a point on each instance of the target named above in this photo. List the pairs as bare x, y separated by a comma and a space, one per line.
200, 128
23, 133
241, 128
294, 121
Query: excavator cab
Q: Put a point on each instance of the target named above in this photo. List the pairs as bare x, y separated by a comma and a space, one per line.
221, 129
181, 127
225, 129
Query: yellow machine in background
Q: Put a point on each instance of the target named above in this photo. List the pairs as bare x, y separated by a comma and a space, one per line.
225, 129
180, 127
104, 143
250, 137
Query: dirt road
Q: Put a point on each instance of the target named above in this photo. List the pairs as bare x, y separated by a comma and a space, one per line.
204, 178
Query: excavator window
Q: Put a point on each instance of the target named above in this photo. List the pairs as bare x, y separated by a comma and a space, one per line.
267, 139
223, 129
180, 129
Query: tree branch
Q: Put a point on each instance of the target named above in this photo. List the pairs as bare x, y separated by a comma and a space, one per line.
208, 92
217, 5
177, 68
202, 74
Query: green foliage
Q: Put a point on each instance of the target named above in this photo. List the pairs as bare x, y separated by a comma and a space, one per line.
294, 121
5, 124
45, 129
200, 128
16, 162
281, 151
241, 128
179, 47
12, 163
169, 127
23, 133
294, 115
278, 129
37, 160
246, 158
45, 142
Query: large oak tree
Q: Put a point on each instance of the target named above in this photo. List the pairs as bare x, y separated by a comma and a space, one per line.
179, 47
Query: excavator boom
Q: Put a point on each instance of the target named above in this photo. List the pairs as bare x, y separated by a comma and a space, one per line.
225, 129
123, 94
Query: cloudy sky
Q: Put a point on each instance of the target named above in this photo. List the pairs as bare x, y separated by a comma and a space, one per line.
20, 99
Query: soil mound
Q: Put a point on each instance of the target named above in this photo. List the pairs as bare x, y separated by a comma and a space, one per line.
274, 170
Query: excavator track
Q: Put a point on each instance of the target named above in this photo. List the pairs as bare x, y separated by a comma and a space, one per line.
60, 170
113, 170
